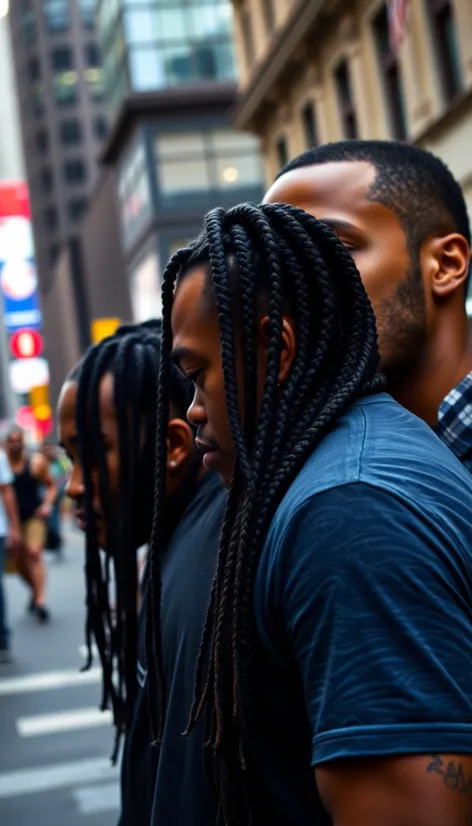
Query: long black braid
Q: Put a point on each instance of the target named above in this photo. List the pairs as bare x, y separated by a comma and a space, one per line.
131, 357
271, 260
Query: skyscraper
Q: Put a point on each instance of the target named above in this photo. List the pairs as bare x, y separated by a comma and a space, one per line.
60, 88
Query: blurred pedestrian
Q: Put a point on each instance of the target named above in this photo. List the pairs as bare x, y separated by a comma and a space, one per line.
402, 216
107, 419
59, 470
10, 539
35, 494
334, 669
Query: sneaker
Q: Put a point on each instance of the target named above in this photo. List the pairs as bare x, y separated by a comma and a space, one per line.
42, 613
5, 655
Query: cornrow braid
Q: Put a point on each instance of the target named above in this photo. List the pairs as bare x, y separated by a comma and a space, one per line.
271, 260
131, 357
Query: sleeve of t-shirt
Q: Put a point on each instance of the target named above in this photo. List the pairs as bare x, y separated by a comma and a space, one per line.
376, 611
6, 476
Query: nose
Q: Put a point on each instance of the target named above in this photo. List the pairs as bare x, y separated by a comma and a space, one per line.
196, 413
75, 486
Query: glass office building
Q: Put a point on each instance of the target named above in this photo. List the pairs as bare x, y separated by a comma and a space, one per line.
170, 85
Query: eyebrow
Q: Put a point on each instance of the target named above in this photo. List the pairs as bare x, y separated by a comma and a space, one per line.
338, 224
178, 353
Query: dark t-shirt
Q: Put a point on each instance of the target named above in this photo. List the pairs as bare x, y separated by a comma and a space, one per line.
172, 777
363, 605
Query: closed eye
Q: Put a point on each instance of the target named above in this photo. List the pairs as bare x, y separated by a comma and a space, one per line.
193, 377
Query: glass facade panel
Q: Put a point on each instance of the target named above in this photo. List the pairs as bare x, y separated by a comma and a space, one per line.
145, 288
220, 159
134, 193
168, 42
237, 170
146, 69
56, 14
87, 13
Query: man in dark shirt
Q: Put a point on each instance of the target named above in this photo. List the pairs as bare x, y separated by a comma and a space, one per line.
112, 481
335, 664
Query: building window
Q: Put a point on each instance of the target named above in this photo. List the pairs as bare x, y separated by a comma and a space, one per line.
75, 172
446, 44
53, 253
282, 152
310, 130
50, 218
268, 14
248, 40
176, 43
87, 12
56, 13
36, 86
46, 178
100, 129
209, 160
76, 208
346, 101
41, 141
390, 73
70, 132
93, 72
28, 24
134, 193
65, 78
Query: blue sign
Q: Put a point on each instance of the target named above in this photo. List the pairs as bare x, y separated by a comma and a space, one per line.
19, 286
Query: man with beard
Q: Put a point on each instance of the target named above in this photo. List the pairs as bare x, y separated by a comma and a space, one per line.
402, 215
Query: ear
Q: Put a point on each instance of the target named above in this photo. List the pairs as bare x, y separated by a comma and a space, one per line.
447, 261
179, 444
289, 345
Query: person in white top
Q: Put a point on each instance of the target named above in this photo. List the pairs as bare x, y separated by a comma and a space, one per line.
10, 537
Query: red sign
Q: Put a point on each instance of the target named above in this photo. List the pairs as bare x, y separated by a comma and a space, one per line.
14, 199
26, 344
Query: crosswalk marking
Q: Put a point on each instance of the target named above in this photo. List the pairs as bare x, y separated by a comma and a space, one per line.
79, 718
48, 680
47, 778
94, 800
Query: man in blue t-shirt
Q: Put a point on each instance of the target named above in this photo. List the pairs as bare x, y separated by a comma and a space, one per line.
335, 666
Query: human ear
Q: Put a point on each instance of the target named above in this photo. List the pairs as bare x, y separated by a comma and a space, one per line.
179, 444
289, 345
446, 261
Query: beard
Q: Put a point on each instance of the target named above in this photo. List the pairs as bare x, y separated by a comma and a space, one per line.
401, 324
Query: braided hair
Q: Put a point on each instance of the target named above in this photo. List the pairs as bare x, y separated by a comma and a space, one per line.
285, 261
131, 357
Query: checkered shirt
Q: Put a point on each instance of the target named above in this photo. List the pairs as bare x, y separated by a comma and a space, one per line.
454, 425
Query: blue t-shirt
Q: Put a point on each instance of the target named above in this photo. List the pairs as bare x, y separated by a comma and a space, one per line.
363, 604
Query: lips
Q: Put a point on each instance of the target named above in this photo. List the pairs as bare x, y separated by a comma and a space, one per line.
210, 454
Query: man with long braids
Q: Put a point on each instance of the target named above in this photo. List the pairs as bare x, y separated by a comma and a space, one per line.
334, 669
403, 217
107, 419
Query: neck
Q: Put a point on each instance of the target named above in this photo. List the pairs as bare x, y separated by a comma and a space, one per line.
445, 360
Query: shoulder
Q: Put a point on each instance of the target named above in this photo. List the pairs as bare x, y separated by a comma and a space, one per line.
368, 537
38, 464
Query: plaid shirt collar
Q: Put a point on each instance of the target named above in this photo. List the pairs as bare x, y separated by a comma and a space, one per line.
454, 425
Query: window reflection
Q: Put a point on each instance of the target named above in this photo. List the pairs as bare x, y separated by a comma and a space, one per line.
217, 159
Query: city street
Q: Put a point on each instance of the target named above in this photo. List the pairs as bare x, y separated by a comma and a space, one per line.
55, 744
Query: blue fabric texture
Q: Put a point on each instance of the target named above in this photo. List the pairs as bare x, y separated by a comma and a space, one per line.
363, 605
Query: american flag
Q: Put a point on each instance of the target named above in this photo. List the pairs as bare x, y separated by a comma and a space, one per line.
397, 20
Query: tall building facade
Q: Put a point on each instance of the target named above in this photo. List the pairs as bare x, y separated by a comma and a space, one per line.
314, 71
170, 81
61, 101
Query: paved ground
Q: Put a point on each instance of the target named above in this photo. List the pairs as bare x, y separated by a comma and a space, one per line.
54, 744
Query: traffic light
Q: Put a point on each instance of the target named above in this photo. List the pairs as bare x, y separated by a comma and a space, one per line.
39, 401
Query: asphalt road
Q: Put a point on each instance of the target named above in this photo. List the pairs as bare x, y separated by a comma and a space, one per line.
54, 743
